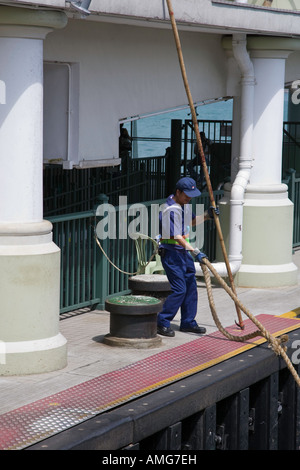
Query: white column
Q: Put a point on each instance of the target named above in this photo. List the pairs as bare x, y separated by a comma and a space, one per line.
29, 260
268, 213
268, 120
21, 116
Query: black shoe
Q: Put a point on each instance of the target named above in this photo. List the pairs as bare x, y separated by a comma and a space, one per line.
200, 330
165, 331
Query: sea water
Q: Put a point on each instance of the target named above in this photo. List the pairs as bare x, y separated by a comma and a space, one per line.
159, 125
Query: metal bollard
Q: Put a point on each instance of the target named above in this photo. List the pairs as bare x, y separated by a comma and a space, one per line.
133, 321
156, 285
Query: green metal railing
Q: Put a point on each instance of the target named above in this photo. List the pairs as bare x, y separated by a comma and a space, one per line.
74, 235
291, 147
76, 190
87, 277
294, 194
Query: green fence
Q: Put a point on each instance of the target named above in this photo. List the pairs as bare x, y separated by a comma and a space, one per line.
70, 191
293, 183
87, 276
67, 191
291, 147
74, 235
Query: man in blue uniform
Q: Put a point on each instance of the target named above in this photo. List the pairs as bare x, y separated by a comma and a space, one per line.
178, 258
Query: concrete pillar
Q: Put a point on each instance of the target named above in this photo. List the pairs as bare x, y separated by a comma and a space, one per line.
30, 341
267, 225
268, 212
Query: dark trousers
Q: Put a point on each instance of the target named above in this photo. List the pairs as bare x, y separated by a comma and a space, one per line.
180, 270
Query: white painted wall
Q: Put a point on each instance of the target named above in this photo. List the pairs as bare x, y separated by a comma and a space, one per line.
292, 67
47, 3
225, 16
126, 71
56, 111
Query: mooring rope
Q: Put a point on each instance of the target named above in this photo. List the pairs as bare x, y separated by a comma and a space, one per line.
139, 271
275, 343
201, 153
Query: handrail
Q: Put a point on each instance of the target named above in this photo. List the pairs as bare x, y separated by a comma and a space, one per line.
291, 137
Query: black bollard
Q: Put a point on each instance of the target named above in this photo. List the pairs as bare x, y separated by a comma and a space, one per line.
156, 285
133, 321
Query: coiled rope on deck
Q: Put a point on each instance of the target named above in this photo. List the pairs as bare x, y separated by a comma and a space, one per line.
275, 343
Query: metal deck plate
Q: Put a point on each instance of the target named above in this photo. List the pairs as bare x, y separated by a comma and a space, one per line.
39, 420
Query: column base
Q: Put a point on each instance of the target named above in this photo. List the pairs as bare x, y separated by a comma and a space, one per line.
30, 342
267, 237
33, 357
267, 276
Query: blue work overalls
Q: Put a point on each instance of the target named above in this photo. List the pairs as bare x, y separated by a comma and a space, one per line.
180, 270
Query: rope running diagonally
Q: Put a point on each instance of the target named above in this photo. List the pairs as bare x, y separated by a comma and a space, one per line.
116, 267
275, 343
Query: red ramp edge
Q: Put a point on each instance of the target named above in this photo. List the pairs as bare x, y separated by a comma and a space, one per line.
36, 421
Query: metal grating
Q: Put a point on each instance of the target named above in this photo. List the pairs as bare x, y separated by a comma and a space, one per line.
32, 423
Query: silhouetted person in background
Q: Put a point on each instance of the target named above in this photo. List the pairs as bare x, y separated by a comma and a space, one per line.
125, 146
206, 143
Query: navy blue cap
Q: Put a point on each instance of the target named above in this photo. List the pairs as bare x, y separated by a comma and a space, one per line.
188, 186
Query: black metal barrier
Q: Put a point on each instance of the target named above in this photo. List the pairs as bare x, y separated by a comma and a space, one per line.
248, 402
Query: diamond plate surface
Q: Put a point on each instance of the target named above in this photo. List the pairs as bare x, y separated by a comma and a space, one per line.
32, 423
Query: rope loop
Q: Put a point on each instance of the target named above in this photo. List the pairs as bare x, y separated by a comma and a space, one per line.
277, 344
139, 271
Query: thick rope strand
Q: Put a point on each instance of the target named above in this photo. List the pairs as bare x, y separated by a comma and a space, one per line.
116, 267
276, 343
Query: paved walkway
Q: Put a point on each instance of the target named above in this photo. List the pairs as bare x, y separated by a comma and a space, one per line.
89, 357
